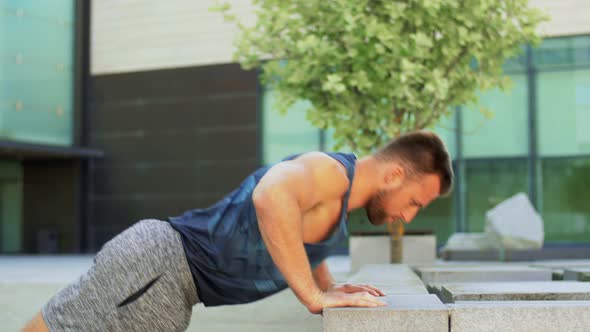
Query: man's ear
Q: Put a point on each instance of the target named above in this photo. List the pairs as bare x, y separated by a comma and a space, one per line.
395, 175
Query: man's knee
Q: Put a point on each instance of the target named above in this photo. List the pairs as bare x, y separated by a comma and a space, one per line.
37, 324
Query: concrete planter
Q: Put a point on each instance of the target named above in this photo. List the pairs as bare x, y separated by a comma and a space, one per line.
379, 248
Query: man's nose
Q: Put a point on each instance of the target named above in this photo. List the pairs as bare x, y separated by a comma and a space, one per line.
410, 214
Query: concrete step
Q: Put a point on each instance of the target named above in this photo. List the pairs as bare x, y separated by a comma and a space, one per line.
516, 291
415, 312
482, 273
507, 316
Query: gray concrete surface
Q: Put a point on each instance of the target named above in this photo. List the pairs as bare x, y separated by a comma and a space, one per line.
408, 313
390, 278
27, 282
516, 291
482, 273
519, 316
579, 274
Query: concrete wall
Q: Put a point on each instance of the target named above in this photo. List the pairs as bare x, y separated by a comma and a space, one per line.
137, 35
568, 17
174, 140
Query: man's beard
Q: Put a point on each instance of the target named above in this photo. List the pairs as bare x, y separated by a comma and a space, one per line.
376, 210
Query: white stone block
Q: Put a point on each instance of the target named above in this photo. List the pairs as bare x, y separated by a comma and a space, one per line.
481, 273
404, 313
517, 291
515, 224
508, 316
376, 249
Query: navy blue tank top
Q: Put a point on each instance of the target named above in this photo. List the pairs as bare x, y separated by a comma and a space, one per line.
225, 250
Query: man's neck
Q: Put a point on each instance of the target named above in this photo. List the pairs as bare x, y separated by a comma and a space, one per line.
365, 183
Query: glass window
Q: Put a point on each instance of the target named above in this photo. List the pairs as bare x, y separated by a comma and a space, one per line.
446, 130
488, 183
37, 71
438, 217
287, 134
564, 112
506, 133
565, 208
560, 52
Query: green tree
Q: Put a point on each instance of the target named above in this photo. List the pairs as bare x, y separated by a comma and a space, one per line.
373, 69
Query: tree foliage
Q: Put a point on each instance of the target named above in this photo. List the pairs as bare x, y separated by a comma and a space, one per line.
373, 69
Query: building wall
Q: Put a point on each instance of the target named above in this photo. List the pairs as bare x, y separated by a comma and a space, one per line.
174, 139
135, 35
167, 105
568, 17
50, 195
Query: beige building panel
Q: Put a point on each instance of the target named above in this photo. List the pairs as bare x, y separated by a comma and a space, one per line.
568, 17
138, 35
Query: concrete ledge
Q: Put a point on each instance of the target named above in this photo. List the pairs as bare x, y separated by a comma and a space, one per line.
517, 291
482, 273
520, 316
579, 274
404, 313
390, 278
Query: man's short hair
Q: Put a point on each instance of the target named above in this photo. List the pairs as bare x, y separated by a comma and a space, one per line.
421, 152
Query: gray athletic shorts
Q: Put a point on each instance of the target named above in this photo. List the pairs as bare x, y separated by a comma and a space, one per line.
140, 281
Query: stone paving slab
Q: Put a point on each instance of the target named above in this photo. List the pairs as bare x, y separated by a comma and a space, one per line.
403, 313
390, 278
516, 291
384, 274
578, 274
559, 266
507, 316
27, 282
482, 273
516, 255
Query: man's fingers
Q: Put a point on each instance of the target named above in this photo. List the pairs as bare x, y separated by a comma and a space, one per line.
377, 290
359, 299
364, 288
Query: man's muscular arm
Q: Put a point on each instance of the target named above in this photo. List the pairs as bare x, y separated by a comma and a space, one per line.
322, 276
288, 190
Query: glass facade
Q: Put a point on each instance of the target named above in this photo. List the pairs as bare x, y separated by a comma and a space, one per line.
37, 71
286, 134
536, 142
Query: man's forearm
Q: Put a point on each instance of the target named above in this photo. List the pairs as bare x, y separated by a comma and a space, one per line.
323, 277
279, 219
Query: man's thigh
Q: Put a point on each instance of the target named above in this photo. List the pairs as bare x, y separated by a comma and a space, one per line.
139, 281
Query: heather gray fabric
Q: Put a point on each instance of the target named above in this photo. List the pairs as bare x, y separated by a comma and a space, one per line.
140, 281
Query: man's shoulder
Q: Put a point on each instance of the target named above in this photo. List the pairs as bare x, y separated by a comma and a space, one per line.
326, 171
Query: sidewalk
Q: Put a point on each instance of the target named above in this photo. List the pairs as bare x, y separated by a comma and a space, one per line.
27, 282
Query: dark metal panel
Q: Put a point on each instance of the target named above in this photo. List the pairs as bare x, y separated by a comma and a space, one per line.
174, 140
223, 177
226, 145
164, 146
172, 83
165, 179
180, 114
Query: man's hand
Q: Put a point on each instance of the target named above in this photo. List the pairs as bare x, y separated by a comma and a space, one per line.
347, 296
349, 288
